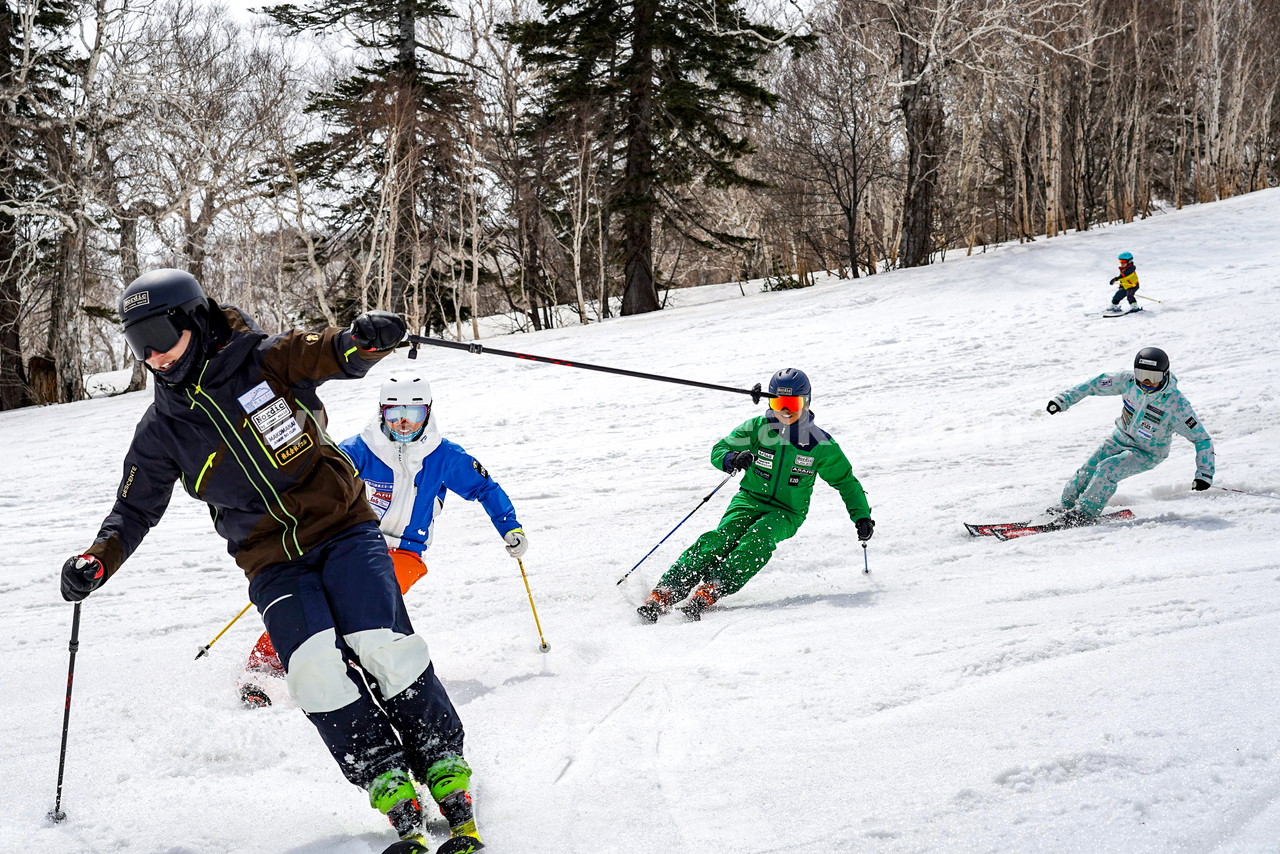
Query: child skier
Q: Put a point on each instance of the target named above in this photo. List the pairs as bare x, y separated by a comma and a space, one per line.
1127, 280
406, 466
782, 452
237, 419
1153, 411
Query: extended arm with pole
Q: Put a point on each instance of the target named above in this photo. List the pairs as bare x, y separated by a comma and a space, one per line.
474, 347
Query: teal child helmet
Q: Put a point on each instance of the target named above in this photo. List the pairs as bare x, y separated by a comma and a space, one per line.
1126, 256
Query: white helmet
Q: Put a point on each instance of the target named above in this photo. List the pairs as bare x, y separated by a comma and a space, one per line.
405, 388
398, 393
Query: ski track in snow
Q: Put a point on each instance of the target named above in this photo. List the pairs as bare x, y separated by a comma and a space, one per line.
1103, 689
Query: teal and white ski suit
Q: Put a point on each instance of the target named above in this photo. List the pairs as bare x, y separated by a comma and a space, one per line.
1144, 431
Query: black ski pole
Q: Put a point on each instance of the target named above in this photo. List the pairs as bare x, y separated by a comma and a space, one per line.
56, 814
866, 567
477, 348
677, 527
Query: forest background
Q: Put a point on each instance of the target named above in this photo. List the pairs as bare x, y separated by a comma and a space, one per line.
563, 161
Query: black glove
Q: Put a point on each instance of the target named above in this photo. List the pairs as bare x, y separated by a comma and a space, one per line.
738, 461
866, 527
377, 330
1053, 408
81, 575
1201, 485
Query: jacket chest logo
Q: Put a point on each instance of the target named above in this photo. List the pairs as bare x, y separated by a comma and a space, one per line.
275, 423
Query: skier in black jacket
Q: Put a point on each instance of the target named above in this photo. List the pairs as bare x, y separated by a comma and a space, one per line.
237, 420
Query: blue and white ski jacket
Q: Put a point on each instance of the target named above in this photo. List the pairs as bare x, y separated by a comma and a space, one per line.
406, 482
1148, 420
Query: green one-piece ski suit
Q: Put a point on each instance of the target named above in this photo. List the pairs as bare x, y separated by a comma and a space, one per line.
770, 506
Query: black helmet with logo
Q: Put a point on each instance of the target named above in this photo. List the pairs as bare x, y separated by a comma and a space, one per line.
157, 306
1151, 368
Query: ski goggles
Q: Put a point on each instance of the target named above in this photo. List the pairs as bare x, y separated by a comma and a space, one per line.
791, 403
158, 334
415, 414
1149, 380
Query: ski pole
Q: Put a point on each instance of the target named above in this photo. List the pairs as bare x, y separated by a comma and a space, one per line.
56, 814
477, 348
866, 567
543, 646
1140, 296
1247, 492
204, 650
676, 528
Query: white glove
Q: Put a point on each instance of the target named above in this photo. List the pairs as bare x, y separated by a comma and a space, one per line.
517, 542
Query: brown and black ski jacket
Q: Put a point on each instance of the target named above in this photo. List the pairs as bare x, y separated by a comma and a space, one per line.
246, 436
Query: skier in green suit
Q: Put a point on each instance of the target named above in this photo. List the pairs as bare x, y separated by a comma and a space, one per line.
783, 453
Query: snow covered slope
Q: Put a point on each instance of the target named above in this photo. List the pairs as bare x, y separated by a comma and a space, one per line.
1106, 689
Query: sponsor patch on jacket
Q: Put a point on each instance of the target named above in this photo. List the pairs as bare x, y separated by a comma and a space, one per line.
480, 470
1146, 430
1105, 383
283, 435
256, 396
764, 464
765, 452
1192, 423
132, 301
311, 337
290, 451
800, 470
802, 460
269, 416
1155, 413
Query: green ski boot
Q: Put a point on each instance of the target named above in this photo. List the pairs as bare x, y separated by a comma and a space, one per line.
393, 795
450, 783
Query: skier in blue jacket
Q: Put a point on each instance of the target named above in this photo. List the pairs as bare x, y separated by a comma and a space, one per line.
1153, 411
407, 467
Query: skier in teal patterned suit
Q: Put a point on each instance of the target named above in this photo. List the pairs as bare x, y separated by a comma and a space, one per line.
783, 453
1153, 411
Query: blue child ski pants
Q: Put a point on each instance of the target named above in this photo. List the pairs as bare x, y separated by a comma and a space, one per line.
1096, 481
337, 607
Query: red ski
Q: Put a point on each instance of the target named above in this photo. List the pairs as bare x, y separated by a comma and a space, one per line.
1012, 533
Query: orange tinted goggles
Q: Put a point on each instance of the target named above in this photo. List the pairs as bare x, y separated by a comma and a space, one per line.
789, 403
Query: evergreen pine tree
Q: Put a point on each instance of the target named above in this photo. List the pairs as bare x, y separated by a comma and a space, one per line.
389, 149
674, 82
36, 69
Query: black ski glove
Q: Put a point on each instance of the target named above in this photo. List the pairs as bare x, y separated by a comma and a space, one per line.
1201, 485
377, 330
866, 527
1053, 408
738, 461
81, 575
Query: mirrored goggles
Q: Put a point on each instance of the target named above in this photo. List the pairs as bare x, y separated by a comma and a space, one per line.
1148, 379
789, 402
415, 414
157, 334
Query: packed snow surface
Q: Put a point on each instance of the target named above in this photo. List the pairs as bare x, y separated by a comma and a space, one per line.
1106, 689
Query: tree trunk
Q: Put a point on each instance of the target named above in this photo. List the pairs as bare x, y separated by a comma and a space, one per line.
923, 123
640, 293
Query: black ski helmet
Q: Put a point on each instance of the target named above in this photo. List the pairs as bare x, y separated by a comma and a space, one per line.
157, 306
1150, 362
1152, 359
790, 382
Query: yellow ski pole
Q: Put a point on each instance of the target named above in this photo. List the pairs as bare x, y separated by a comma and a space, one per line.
204, 650
544, 646
1153, 299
